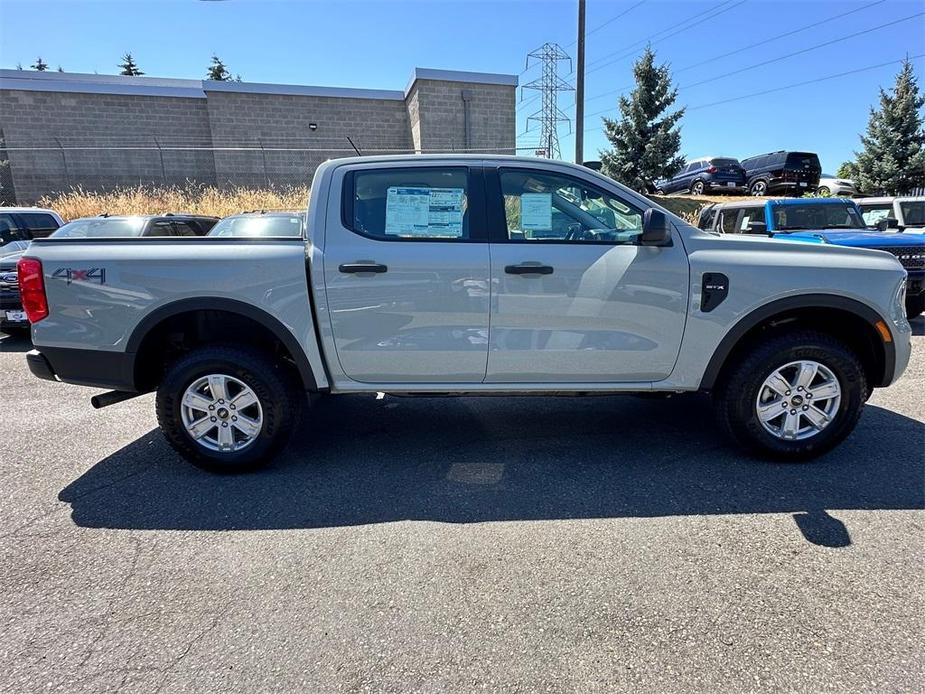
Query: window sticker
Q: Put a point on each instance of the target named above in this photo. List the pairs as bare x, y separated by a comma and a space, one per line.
536, 211
424, 211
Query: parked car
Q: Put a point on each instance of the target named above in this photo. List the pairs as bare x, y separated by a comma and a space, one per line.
904, 213
18, 226
782, 173
260, 224
707, 174
835, 221
128, 226
468, 275
835, 186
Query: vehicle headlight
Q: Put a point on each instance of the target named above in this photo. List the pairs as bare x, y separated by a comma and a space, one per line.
899, 303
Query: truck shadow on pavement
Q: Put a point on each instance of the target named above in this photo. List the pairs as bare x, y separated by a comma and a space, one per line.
356, 460
15, 342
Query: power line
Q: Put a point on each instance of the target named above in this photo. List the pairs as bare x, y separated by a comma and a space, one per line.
745, 48
769, 61
678, 28
791, 54
779, 36
796, 84
611, 20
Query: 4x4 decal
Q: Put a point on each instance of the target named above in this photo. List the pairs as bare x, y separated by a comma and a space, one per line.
93, 274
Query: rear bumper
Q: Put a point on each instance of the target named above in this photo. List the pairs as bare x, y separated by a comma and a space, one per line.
84, 367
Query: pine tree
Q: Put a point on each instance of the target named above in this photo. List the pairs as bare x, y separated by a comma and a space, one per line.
848, 169
646, 140
893, 158
217, 70
129, 67
40, 65
60, 69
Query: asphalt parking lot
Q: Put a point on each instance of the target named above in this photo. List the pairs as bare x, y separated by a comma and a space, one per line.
535, 544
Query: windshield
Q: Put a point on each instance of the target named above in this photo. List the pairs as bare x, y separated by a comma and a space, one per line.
817, 217
101, 227
268, 225
913, 213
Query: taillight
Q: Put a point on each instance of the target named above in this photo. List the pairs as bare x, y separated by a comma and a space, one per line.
32, 289
711, 169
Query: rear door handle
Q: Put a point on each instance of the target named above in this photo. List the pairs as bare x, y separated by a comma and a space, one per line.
353, 268
527, 269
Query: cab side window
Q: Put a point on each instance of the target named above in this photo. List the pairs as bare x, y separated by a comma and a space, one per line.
544, 207
409, 204
874, 213
750, 217
727, 221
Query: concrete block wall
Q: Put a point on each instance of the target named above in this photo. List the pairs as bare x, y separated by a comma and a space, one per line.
99, 132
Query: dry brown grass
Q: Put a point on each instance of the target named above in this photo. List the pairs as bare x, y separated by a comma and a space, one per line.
207, 200
688, 208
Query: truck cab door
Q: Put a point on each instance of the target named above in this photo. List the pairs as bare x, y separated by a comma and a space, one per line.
406, 273
575, 297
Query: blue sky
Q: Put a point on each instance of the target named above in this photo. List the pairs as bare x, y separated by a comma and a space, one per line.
376, 44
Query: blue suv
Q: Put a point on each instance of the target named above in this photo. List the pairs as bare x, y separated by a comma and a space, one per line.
709, 174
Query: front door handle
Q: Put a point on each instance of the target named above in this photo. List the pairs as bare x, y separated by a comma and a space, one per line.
527, 269
354, 268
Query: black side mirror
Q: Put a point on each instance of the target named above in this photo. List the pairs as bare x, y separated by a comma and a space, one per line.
887, 223
656, 229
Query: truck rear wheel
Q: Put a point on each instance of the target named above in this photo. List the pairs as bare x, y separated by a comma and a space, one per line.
793, 397
226, 409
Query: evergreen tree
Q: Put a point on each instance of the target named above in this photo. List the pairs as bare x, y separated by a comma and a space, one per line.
128, 66
217, 70
60, 69
848, 169
646, 140
893, 158
40, 65
19, 66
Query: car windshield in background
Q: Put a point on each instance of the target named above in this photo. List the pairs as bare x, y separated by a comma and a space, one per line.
101, 228
268, 225
799, 160
816, 217
913, 212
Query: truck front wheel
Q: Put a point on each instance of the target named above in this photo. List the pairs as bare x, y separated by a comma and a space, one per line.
226, 409
793, 397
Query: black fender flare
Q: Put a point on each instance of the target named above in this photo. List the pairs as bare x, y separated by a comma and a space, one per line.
258, 315
779, 306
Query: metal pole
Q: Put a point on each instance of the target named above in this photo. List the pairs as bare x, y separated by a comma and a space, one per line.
160, 154
263, 153
580, 87
67, 173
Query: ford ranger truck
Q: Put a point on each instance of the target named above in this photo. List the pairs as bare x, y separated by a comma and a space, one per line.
468, 275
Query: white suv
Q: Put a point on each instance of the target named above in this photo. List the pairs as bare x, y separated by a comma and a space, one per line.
909, 212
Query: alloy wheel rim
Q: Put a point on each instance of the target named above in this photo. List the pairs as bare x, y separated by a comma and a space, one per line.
221, 413
798, 400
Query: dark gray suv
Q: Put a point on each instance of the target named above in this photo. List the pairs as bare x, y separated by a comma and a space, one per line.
709, 174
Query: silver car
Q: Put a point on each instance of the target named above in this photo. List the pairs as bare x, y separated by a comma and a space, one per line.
836, 187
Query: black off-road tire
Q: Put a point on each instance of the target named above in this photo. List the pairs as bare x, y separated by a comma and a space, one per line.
273, 383
735, 397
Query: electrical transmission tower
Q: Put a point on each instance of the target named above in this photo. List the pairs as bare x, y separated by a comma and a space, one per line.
549, 86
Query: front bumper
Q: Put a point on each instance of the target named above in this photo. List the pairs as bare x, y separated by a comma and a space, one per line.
10, 301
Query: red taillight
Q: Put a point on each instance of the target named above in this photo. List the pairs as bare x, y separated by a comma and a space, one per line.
711, 169
32, 289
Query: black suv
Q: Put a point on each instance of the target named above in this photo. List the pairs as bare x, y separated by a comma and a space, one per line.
707, 174
791, 173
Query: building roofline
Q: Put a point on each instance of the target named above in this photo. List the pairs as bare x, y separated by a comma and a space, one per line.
84, 83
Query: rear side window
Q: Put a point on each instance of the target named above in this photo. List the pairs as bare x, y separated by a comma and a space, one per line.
750, 216
40, 224
160, 229
409, 204
183, 229
9, 231
803, 161
913, 212
754, 163
727, 221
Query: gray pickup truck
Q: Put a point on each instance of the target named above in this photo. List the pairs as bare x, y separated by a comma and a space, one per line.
468, 275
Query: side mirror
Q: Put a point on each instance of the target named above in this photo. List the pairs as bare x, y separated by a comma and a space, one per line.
887, 223
757, 228
656, 229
